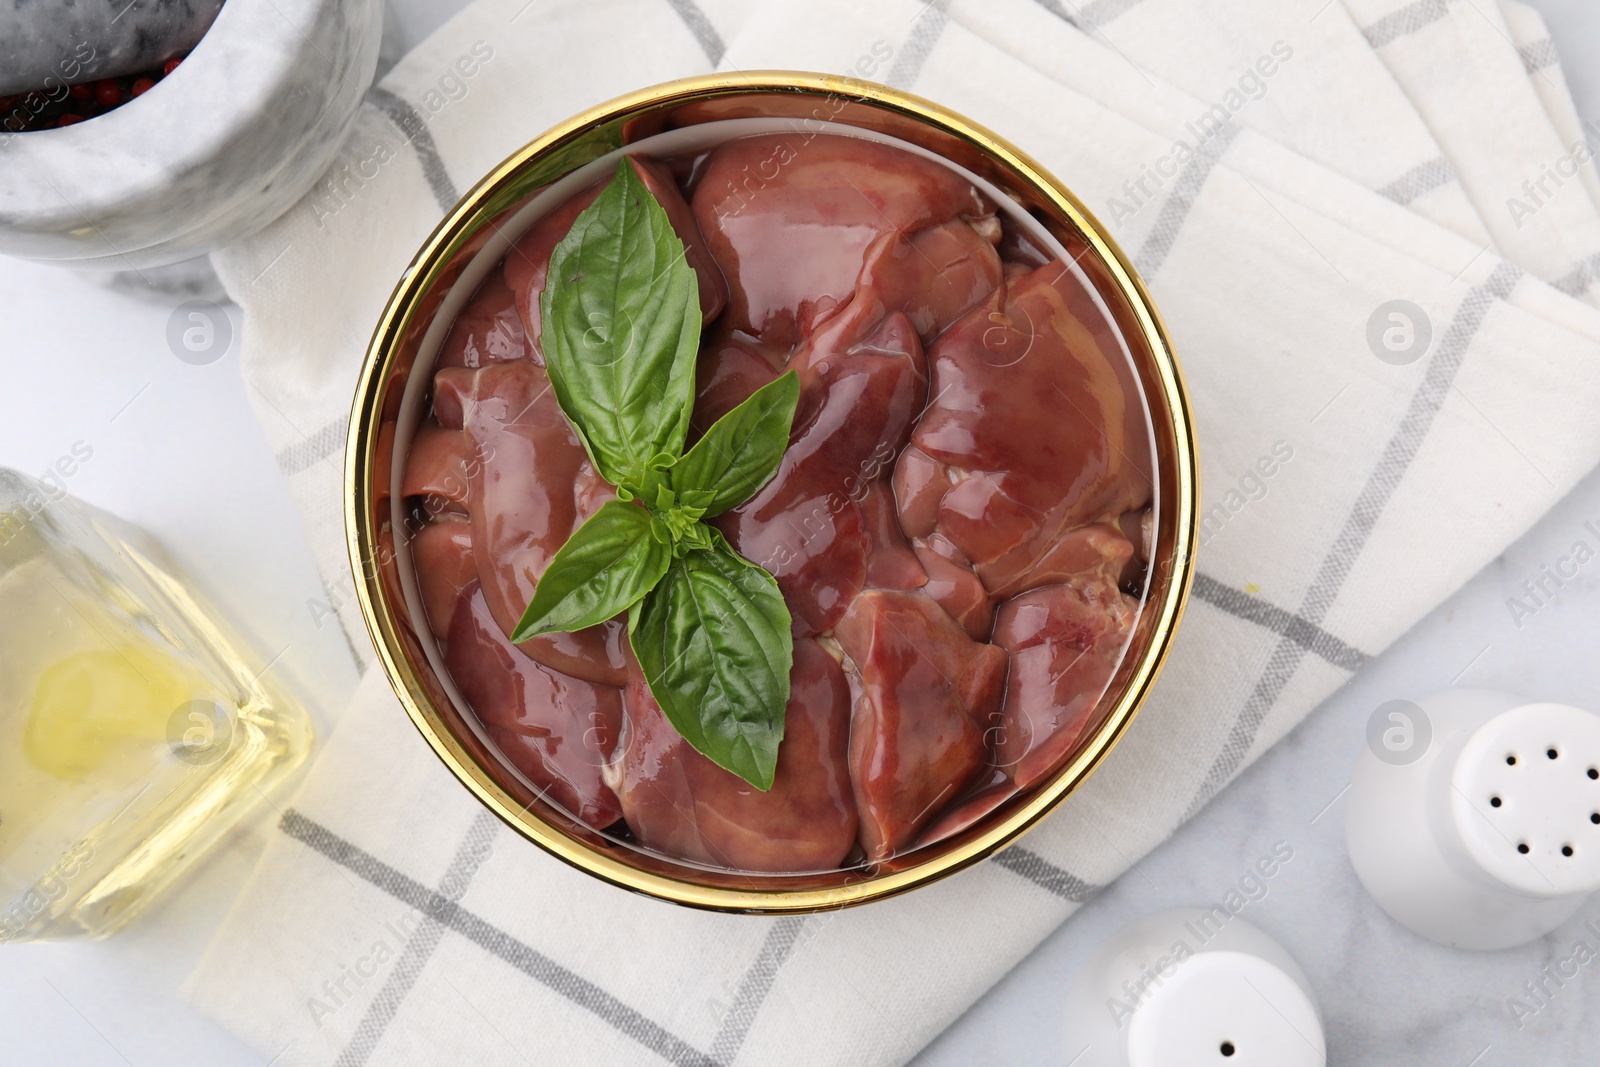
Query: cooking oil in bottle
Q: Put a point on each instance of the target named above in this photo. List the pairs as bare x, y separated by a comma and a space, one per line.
135, 729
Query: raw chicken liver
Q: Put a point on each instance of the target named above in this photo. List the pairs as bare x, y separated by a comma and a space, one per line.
488, 330
558, 730
439, 469
923, 693
443, 554
860, 396
679, 802
732, 366
1065, 643
789, 219
524, 506
1031, 432
964, 496
935, 276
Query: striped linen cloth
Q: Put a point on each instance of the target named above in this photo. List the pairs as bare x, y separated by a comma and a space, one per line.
1324, 65
1458, 63
1539, 59
393, 921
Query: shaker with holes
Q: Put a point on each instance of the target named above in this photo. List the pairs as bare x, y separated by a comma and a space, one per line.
1487, 835
1192, 986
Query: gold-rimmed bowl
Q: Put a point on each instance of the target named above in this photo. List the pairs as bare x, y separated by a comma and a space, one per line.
487, 220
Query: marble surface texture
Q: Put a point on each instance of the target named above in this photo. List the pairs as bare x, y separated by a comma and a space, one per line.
177, 452
214, 152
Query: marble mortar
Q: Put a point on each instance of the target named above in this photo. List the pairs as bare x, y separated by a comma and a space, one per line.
215, 151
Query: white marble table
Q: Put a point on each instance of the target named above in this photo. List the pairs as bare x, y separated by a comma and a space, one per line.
175, 450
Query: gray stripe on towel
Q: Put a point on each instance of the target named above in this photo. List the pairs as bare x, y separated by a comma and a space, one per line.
1308, 635
1419, 181
410, 122
1176, 208
699, 25
530, 961
926, 29
754, 987
419, 949
317, 446
1368, 507
1046, 875
1537, 55
1407, 20
1579, 278
1088, 16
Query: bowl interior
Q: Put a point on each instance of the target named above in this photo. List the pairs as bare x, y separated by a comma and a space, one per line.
682, 117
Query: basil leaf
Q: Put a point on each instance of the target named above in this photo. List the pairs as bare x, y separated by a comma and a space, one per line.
621, 330
741, 451
621, 336
604, 568
714, 641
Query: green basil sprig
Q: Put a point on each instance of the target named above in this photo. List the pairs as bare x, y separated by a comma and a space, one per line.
621, 335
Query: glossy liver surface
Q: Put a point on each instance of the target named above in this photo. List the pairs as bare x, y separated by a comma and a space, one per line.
949, 525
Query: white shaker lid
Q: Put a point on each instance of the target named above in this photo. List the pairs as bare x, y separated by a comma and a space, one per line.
1228, 1009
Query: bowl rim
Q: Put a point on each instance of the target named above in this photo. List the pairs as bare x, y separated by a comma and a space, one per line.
361, 529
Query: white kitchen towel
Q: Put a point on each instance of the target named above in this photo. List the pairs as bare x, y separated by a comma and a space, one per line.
1098, 69
394, 921
1300, 71
1543, 64
1457, 63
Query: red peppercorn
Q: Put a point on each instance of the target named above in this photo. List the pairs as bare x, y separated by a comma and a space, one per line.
81, 92
170, 65
142, 86
107, 93
68, 119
